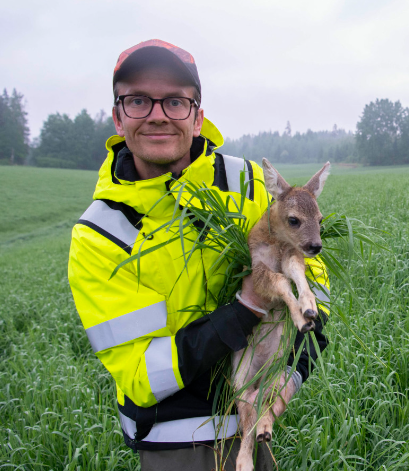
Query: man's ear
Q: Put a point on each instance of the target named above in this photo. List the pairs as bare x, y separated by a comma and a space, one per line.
197, 126
117, 121
275, 183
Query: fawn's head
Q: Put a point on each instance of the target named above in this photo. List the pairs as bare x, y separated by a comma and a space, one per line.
295, 214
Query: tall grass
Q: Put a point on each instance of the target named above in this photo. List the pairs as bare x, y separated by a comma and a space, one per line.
57, 403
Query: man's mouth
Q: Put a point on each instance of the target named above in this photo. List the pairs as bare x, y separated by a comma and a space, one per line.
158, 136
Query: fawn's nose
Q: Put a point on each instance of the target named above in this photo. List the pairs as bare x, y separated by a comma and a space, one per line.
314, 249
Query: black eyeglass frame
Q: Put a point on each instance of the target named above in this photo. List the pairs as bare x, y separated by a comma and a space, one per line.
192, 101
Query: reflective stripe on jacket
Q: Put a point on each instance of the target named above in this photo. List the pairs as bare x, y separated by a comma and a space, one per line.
159, 355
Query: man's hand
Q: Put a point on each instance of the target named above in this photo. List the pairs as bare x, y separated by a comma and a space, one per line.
250, 298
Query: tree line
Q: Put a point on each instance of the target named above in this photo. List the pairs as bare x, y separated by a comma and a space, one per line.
336, 146
381, 138
73, 143
63, 142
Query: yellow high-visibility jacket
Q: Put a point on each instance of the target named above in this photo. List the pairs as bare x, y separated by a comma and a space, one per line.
159, 356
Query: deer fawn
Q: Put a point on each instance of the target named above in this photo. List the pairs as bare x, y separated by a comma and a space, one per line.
278, 243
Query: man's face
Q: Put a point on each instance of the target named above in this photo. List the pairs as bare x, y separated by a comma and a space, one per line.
157, 139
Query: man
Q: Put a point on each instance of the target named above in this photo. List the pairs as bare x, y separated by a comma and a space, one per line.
159, 353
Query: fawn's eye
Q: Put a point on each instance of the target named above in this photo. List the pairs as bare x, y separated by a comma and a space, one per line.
293, 221
321, 220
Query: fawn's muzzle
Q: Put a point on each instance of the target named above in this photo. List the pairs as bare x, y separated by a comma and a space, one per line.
312, 249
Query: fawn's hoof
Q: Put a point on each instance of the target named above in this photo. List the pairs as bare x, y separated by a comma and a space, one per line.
307, 327
264, 437
310, 314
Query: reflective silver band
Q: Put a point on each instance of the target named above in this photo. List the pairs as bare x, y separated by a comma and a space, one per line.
296, 377
128, 425
111, 221
128, 327
189, 430
158, 358
321, 293
234, 166
184, 430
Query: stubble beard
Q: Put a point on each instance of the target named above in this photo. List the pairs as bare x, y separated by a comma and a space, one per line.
158, 163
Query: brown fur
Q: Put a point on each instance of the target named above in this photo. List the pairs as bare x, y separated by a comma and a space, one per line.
277, 249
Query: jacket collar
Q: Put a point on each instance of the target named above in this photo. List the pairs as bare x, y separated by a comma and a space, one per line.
125, 170
119, 181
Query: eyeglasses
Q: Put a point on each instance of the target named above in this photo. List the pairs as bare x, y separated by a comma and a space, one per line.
140, 106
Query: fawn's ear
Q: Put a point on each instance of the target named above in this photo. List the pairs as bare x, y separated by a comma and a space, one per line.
275, 183
316, 184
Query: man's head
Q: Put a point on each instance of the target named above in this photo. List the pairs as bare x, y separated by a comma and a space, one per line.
157, 70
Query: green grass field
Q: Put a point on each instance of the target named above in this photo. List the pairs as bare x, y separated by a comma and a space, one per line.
57, 403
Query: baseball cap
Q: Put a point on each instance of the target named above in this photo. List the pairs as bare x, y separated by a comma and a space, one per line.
155, 51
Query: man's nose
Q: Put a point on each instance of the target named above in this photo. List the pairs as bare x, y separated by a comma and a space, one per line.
157, 113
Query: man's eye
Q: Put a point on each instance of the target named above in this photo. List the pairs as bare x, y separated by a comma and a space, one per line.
175, 103
137, 102
293, 221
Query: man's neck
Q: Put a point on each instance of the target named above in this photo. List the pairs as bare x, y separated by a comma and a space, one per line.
147, 170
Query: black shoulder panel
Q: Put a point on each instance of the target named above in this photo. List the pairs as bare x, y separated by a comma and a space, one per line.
220, 178
251, 178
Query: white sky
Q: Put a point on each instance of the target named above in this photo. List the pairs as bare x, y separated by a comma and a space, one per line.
261, 63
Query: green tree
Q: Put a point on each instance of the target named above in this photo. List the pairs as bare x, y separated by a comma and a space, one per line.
78, 143
104, 128
379, 132
403, 145
56, 139
14, 131
83, 140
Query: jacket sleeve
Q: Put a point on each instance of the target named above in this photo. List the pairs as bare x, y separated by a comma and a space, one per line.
205, 341
126, 324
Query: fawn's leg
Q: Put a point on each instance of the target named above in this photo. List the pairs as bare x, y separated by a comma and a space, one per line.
265, 425
265, 422
277, 286
244, 368
248, 418
294, 268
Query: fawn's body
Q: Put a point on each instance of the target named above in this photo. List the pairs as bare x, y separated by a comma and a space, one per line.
278, 244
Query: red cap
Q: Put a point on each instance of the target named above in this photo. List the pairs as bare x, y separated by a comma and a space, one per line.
156, 51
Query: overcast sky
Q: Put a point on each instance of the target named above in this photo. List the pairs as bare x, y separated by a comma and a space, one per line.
261, 63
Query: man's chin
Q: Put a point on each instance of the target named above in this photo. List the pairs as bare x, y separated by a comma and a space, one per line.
159, 157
